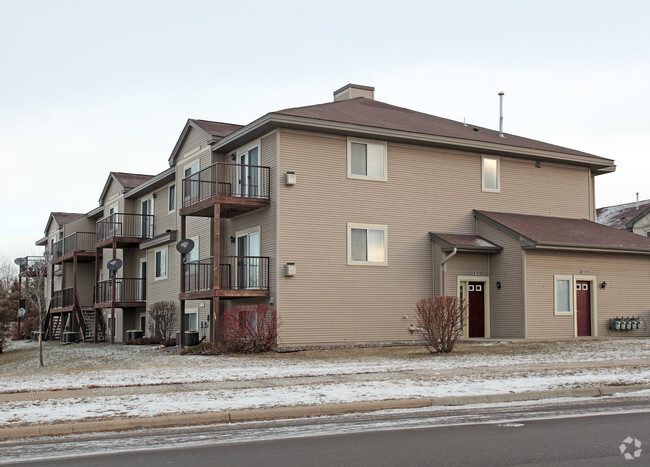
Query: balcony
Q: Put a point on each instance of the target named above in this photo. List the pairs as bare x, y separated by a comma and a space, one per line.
129, 293
79, 244
237, 188
63, 300
126, 230
30, 266
239, 277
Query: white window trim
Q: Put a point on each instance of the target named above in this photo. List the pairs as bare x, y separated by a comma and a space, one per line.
166, 250
568, 277
175, 197
193, 311
498, 160
351, 226
349, 157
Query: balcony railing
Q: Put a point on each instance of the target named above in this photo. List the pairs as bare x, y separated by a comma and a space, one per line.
78, 241
126, 290
222, 179
63, 298
29, 265
125, 225
235, 273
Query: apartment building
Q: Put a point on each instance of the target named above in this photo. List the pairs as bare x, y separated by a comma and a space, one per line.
634, 217
342, 215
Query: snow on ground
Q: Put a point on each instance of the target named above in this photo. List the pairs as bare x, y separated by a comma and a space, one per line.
57, 410
92, 366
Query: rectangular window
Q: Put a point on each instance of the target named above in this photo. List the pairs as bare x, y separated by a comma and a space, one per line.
171, 198
161, 264
367, 244
491, 174
563, 295
366, 160
191, 321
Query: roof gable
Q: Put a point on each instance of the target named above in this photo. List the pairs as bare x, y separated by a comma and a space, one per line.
126, 180
211, 130
61, 218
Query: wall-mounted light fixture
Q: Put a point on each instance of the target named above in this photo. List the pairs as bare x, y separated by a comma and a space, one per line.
154, 196
603, 285
538, 164
499, 285
233, 156
232, 239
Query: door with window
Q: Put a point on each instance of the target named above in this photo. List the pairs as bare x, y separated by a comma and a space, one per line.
248, 261
476, 316
147, 218
583, 307
191, 188
143, 281
113, 224
249, 173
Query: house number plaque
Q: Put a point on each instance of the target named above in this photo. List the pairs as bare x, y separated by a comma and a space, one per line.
476, 273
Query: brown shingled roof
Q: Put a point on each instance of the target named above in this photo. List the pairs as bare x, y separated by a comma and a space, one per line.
622, 215
363, 111
558, 231
216, 128
128, 180
464, 242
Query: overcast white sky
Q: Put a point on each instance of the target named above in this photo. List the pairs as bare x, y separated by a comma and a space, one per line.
89, 87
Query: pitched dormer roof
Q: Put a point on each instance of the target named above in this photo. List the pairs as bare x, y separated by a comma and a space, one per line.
126, 180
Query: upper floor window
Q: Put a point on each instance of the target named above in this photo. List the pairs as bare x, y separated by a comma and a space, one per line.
367, 244
490, 171
171, 198
161, 264
366, 160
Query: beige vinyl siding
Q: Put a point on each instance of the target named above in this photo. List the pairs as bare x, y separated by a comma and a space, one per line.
626, 294
427, 189
507, 317
464, 264
82, 224
85, 283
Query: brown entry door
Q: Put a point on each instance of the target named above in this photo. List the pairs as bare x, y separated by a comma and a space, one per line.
583, 299
475, 296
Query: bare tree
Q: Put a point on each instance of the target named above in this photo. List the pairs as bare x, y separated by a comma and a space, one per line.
161, 319
35, 288
440, 320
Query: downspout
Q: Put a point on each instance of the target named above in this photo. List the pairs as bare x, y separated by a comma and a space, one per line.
443, 268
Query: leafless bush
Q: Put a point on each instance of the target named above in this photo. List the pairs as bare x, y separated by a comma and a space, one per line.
250, 329
4, 335
440, 320
161, 319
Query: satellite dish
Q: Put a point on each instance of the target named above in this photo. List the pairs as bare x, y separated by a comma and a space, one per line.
185, 246
114, 264
21, 312
20, 261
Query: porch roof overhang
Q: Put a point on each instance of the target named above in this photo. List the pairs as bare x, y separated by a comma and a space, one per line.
162, 239
41, 242
464, 243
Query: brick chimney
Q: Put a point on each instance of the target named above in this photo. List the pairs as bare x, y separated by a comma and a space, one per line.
350, 91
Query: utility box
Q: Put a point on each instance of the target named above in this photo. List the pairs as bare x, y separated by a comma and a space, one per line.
290, 178
69, 337
290, 269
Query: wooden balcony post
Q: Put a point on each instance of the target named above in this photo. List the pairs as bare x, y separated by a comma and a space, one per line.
74, 320
113, 273
216, 255
182, 323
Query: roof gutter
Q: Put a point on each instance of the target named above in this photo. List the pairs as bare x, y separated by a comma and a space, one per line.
587, 248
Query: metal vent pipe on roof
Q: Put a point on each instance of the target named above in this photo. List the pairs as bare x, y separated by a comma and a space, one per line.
501, 115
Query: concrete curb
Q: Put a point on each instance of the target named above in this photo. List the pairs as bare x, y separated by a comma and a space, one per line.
278, 413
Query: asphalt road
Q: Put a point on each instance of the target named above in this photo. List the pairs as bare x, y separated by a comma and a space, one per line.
573, 433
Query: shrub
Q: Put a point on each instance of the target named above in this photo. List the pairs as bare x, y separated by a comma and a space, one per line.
161, 319
4, 335
250, 329
145, 341
202, 348
440, 320
169, 342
